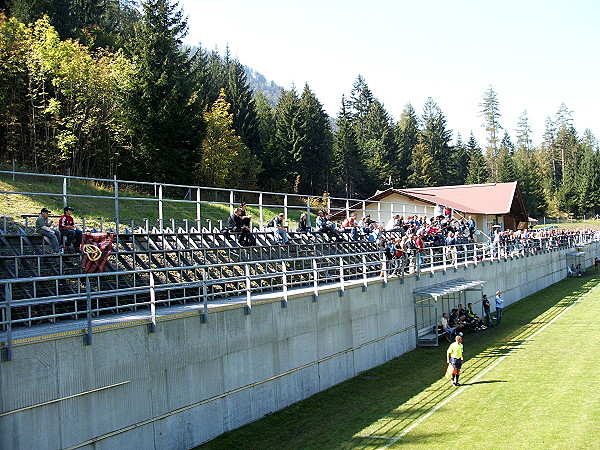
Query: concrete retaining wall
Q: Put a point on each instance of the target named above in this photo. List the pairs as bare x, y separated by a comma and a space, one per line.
191, 381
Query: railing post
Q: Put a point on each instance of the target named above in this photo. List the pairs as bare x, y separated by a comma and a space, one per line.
364, 272
284, 280
260, 211
285, 206
231, 202
198, 209
341, 276
64, 192
315, 279
7, 352
204, 294
117, 217
248, 307
88, 298
160, 207
152, 324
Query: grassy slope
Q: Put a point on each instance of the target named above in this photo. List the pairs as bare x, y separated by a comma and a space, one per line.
13, 205
517, 404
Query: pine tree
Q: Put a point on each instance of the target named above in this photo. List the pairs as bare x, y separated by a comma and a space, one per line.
163, 108
478, 171
458, 167
346, 158
423, 171
271, 157
491, 114
316, 152
407, 132
436, 139
240, 96
289, 137
524, 133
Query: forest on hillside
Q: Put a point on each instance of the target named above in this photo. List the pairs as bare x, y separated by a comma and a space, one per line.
106, 87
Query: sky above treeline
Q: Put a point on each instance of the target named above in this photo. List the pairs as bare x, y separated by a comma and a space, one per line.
536, 54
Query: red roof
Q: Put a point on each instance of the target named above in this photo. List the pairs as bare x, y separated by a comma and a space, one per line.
489, 198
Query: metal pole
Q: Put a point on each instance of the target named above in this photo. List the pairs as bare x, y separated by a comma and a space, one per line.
198, 209
204, 315
64, 192
88, 298
231, 200
315, 279
284, 281
152, 305
260, 211
160, 207
8, 297
341, 275
117, 216
248, 308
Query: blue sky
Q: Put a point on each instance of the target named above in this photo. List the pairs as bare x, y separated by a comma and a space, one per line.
536, 54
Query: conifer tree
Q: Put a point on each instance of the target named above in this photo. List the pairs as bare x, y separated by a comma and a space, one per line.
436, 139
490, 111
478, 172
314, 163
346, 158
289, 137
407, 131
162, 107
423, 171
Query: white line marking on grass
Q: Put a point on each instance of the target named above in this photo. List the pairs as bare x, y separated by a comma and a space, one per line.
500, 359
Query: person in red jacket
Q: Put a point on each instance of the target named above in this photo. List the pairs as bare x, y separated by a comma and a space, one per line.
66, 226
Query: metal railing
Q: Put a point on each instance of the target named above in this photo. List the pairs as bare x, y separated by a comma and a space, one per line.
28, 301
120, 193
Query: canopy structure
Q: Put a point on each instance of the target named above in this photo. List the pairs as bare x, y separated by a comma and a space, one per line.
575, 263
431, 301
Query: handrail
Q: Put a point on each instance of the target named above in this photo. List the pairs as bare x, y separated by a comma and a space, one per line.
314, 272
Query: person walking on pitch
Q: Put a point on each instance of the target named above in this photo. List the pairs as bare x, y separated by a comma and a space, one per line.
455, 358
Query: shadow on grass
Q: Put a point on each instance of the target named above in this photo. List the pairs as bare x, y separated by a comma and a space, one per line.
377, 406
484, 382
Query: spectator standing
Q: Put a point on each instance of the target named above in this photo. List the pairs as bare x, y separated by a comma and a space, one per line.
455, 357
596, 263
66, 225
485, 301
43, 225
499, 306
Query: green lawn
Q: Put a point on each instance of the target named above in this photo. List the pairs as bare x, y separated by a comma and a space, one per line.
90, 208
526, 385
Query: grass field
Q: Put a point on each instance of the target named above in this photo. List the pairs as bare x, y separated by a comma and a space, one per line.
533, 383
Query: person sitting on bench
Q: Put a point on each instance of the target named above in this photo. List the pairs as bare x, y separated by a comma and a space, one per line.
66, 225
43, 226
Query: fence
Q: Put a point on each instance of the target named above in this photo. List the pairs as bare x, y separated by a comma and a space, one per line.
200, 204
27, 301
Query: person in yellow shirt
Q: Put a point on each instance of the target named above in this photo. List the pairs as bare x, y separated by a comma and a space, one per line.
455, 357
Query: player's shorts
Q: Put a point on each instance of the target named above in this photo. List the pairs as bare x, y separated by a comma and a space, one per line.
456, 363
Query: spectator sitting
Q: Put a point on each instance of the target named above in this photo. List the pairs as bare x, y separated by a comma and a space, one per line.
351, 225
66, 225
365, 224
394, 223
236, 225
303, 224
472, 318
454, 321
280, 231
245, 217
43, 226
445, 327
326, 226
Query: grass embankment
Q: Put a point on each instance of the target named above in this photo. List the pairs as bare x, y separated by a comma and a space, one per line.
520, 392
96, 202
